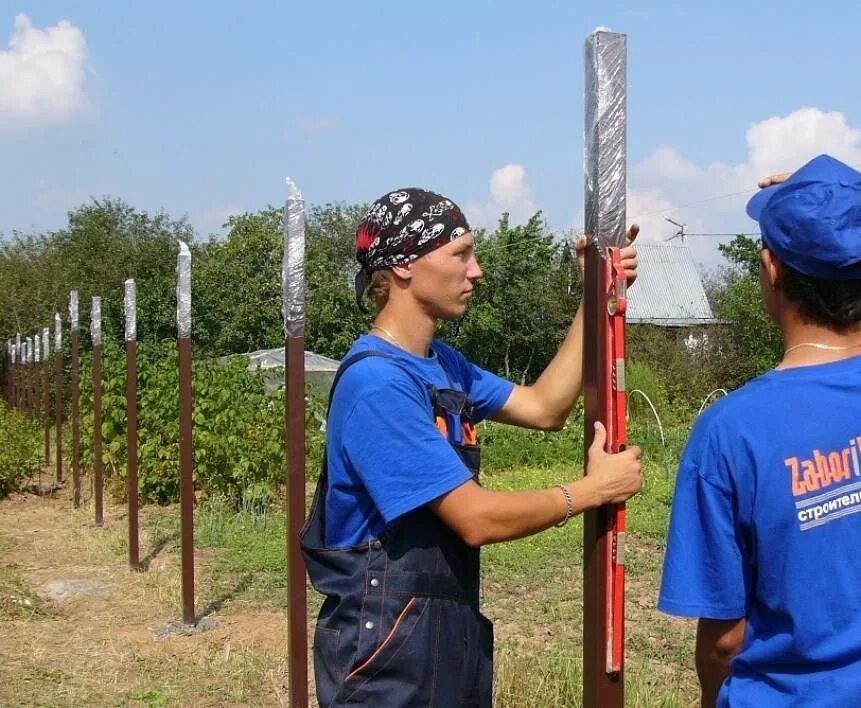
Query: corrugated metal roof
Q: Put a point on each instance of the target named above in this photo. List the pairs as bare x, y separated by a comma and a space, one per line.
668, 291
274, 358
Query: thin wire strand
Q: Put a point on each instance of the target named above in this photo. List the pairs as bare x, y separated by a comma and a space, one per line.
512, 244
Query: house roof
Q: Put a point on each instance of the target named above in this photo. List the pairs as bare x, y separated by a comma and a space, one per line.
668, 291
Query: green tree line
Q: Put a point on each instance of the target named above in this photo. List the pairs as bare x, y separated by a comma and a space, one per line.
519, 314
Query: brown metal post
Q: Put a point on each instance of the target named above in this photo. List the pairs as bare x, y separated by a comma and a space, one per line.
186, 454
600, 689
33, 388
604, 191
293, 303
46, 391
58, 414
58, 395
132, 445
28, 383
98, 466
98, 463
187, 480
297, 620
16, 372
76, 422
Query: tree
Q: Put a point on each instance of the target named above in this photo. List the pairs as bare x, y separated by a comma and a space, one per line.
104, 243
523, 304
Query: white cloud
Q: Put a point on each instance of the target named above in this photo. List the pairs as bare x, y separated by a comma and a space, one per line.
509, 192
42, 75
667, 184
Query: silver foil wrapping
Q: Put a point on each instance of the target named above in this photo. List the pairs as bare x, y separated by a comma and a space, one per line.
37, 349
58, 333
73, 310
96, 321
14, 354
605, 149
183, 292
293, 266
130, 297
46, 344
28, 351
18, 350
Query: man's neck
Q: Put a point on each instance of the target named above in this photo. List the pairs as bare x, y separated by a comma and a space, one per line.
807, 344
406, 328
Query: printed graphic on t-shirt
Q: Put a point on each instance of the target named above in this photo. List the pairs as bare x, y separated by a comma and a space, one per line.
829, 482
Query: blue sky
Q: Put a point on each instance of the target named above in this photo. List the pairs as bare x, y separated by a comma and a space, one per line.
203, 108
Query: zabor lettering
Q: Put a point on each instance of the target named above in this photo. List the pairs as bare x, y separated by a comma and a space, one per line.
823, 469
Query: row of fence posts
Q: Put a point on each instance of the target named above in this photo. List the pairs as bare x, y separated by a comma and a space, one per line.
27, 387
27, 390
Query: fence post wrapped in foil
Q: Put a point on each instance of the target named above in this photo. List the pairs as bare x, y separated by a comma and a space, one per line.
28, 349
130, 309
46, 344
18, 346
293, 266
183, 292
37, 349
96, 321
73, 310
604, 149
58, 333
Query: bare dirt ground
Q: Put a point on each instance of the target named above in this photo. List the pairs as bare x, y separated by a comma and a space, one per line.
76, 625
78, 628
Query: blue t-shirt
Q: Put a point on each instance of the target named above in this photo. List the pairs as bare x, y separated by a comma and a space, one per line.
765, 525
386, 455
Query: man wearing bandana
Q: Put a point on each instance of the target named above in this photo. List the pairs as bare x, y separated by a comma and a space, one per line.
399, 516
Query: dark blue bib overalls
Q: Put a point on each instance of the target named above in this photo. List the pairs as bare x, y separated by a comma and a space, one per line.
400, 624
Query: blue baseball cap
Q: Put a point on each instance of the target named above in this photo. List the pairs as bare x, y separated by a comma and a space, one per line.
812, 221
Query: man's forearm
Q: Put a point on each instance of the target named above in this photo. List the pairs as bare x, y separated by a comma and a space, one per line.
712, 673
718, 641
561, 382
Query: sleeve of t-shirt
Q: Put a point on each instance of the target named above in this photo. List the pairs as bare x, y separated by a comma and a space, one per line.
395, 447
487, 391
704, 567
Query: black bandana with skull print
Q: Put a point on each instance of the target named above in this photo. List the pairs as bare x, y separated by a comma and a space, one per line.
402, 226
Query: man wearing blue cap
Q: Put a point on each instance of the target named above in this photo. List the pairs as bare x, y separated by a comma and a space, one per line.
765, 525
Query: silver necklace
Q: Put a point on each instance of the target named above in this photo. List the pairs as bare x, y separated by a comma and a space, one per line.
820, 345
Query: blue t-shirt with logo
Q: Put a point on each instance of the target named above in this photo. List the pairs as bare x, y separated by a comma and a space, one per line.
386, 456
765, 525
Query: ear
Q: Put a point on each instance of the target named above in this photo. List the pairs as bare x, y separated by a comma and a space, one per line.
403, 272
772, 268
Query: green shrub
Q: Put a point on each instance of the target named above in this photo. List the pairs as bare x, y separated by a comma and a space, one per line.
237, 438
20, 449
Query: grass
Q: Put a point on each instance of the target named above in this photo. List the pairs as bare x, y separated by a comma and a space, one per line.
100, 650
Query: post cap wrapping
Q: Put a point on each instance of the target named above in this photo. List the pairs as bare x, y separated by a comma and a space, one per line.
605, 137
293, 265
96, 321
130, 309
58, 333
183, 291
73, 310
